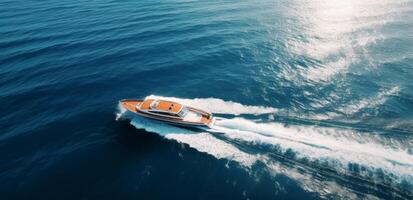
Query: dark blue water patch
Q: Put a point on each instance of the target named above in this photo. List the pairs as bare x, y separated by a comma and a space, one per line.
64, 65
125, 163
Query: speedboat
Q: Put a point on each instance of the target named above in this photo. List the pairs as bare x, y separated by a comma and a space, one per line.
169, 112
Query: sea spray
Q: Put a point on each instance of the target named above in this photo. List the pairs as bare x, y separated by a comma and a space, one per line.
121, 112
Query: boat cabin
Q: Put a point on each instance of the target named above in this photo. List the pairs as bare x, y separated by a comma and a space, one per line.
168, 111
163, 107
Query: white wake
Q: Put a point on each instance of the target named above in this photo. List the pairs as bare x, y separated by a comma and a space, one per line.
333, 147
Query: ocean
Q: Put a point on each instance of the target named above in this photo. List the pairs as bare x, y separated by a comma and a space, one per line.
315, 99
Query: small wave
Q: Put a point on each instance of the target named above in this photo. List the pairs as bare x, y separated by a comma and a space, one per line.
326, 72
371, 102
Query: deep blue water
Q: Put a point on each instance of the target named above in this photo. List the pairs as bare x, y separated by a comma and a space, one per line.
316, 99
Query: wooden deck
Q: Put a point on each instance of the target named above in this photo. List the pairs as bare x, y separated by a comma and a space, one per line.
146, 104
130, 104
169, 106
163, 105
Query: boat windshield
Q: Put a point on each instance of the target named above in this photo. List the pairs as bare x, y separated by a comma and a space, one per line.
154, 104
183, 112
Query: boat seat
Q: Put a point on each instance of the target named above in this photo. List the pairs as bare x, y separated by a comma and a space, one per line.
170, 107
154, 104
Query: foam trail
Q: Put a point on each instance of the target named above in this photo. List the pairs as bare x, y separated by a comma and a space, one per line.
207, 143
336, 146
316, 143
219, 106
201, 141
333, 148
